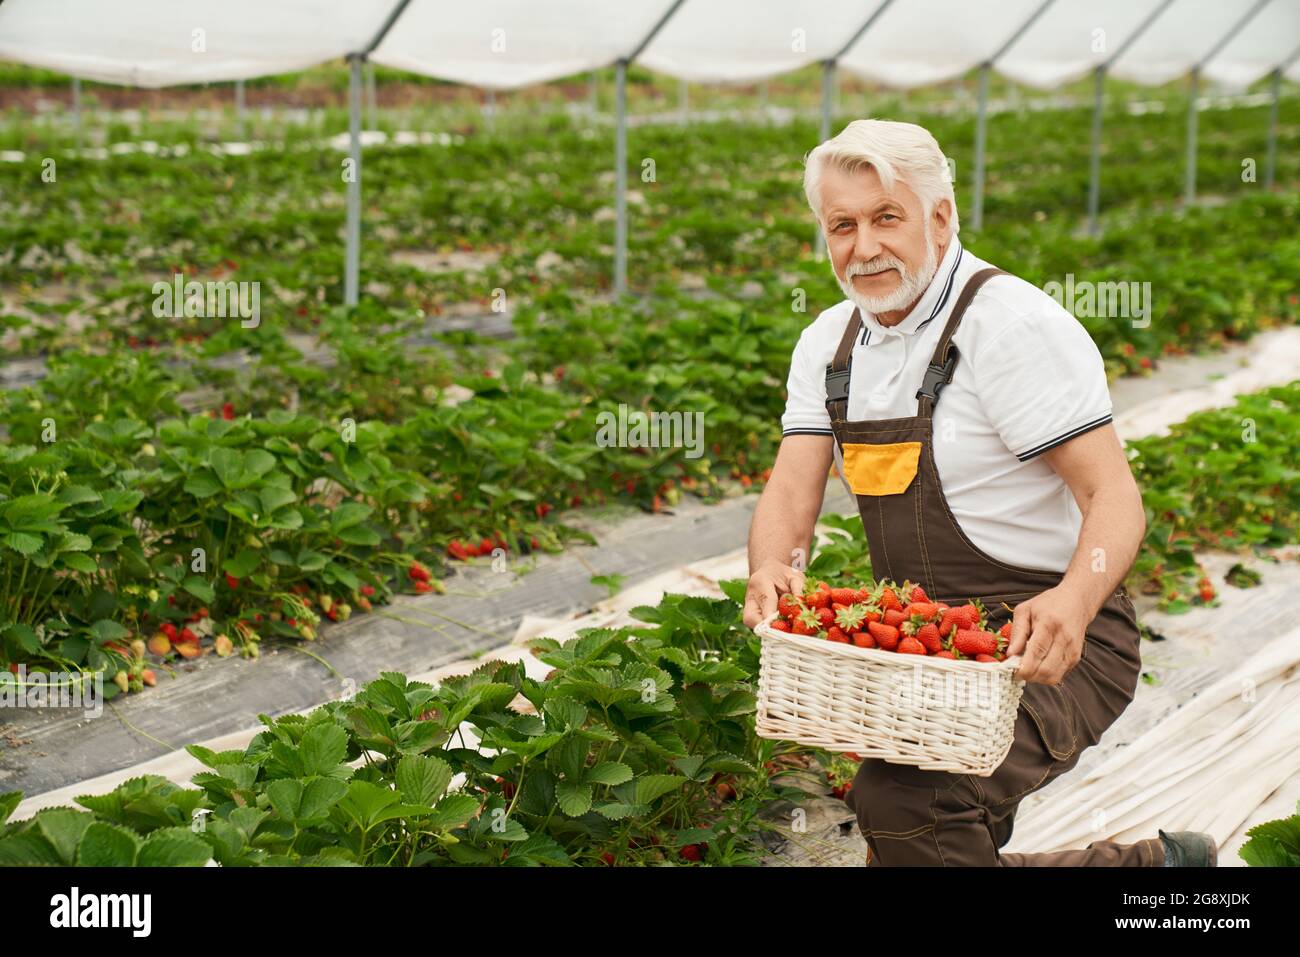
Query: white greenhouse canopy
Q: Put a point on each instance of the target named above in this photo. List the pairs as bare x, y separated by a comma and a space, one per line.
504, 44
507, 44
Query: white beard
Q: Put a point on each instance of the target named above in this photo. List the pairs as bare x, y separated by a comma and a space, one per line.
910, 287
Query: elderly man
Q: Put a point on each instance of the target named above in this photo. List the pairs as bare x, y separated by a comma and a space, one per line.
968, 414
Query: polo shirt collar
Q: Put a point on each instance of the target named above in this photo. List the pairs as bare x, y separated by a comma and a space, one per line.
933, 301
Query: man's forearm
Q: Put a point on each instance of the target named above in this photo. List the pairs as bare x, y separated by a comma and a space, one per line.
780, 532
1112, 530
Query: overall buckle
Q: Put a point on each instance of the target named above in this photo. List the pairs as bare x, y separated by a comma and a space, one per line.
837, 384
938, 376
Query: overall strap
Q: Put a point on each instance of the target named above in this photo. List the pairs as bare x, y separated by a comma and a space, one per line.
944, 361
838, 372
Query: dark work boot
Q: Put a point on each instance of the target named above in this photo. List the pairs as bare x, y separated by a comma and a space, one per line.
1189, 849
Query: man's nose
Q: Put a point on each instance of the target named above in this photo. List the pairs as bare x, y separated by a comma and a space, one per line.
866, 245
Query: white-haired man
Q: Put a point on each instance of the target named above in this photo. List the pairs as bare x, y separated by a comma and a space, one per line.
969, 416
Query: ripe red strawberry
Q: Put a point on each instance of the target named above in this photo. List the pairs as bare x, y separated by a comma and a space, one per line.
971, 642
944, 654
607, 858
928, 635
418, 572
925, 609
886, 636
787, 606
456, 550
692, 852
918, 594
873, 613
818, 596
969, 615
985, 658
894, 617
833, 633
227, 410
825, 617
864, 594
850, 617
844, 596
1005, 631
863, 639
422, 587
187, 635
910, 646
889, 599
232, 581
168, 629
806, 622
485, 547
368, 591
780, 624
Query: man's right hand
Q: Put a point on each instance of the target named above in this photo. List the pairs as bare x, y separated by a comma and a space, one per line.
768, 584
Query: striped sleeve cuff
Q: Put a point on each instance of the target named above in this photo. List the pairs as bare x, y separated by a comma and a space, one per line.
807, 432
1064, 437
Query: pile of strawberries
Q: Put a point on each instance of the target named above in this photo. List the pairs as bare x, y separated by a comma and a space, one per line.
899, 618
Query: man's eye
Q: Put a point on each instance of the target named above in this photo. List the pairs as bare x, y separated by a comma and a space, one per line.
888, 216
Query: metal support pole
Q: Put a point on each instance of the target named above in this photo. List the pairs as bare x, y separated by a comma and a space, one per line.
1094, 179
981, 122
1094, 162
828, 94
1189, 184
620, 149
1270, 159
1189, 187
239, 107
76, 109
372, 98
620, 178
683, 99
352, 256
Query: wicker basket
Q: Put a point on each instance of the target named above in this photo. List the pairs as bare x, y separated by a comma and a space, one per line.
939, 714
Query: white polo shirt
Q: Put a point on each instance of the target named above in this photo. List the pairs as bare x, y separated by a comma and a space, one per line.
1029, 378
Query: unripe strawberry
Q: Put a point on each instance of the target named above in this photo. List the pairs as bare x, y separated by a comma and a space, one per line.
189, 650
326, 602
138, 647
364, 603
122, 681
223, 646
148, 677
159, 644
344, 611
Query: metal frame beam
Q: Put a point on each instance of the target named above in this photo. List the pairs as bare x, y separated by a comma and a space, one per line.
981, 117
1189, 183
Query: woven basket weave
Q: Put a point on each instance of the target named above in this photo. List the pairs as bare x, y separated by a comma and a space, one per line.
936, 713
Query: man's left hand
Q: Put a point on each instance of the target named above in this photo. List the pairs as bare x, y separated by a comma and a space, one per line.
1048, 631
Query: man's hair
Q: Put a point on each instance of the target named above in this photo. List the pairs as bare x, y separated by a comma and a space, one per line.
897, 151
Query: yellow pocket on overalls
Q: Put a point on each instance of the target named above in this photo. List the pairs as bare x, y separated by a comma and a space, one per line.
880, 469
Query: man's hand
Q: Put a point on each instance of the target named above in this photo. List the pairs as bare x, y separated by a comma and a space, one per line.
766, 585
1048, 631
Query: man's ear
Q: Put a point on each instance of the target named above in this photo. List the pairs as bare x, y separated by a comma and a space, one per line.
941, 219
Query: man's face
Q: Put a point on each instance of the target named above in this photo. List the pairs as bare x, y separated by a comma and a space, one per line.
882, 248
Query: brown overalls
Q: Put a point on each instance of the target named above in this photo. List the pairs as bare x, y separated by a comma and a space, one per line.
914, 817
